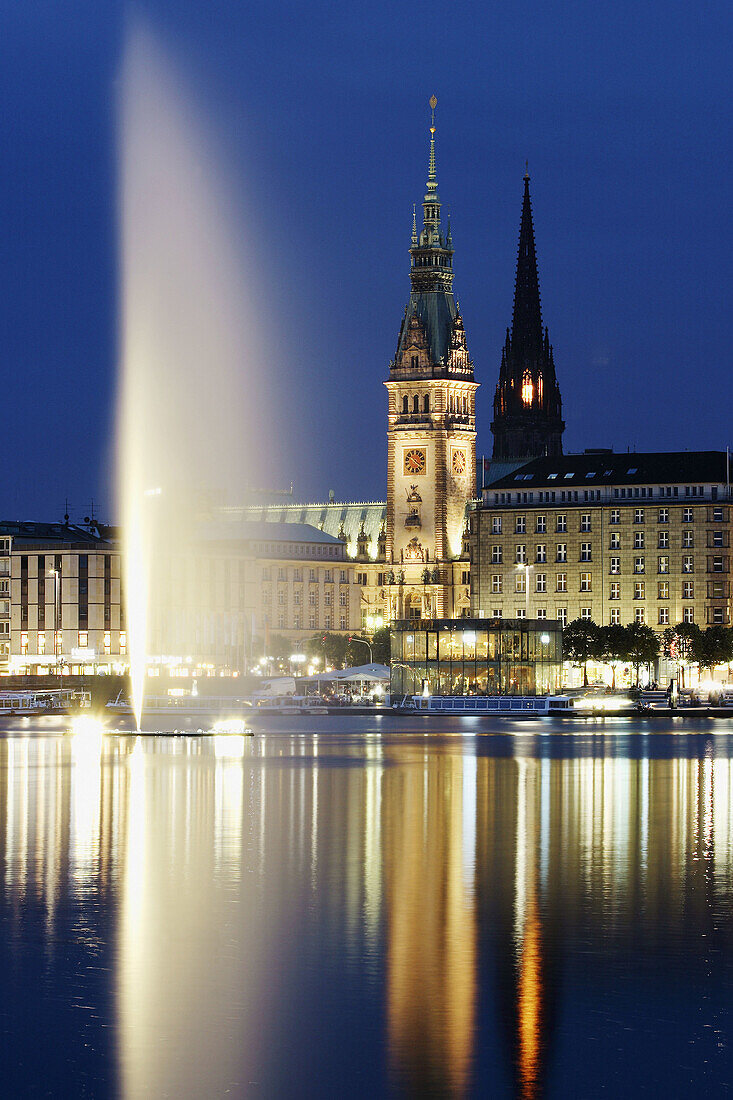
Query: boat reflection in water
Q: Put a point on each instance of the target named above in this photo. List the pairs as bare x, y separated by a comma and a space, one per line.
301, 913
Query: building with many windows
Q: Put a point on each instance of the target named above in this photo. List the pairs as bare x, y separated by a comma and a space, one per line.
215, 607
616, 538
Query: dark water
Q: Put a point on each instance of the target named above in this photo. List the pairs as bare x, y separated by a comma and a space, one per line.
359, 907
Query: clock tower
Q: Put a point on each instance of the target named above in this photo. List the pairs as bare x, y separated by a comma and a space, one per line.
431, 434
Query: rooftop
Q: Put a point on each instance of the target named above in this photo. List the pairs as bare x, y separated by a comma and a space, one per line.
606, 468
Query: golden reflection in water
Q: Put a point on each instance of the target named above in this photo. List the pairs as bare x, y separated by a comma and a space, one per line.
425, 859
431, 932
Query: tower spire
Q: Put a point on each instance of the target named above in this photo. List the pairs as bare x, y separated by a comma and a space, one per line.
527, 316
527, 405
432, 177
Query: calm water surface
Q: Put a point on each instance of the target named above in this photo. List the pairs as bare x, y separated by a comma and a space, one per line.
365, 906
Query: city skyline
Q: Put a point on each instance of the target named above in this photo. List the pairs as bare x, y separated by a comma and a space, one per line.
633, 265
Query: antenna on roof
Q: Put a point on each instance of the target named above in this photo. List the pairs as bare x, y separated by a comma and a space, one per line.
66, 513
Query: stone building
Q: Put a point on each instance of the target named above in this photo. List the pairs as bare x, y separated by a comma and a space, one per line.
616, 538
216, 606
410, 552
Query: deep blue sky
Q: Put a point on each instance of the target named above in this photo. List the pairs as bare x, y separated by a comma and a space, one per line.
622, 110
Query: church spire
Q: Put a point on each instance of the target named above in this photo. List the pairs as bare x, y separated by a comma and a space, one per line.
527, 316
527, 407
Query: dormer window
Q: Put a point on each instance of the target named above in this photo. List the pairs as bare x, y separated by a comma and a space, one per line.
414, 362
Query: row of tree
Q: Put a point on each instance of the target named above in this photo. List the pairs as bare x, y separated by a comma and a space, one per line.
638, 645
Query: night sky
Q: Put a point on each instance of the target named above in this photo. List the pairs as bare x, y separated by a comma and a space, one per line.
623, 112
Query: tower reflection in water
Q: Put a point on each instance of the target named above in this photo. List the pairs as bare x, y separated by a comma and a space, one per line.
249, 911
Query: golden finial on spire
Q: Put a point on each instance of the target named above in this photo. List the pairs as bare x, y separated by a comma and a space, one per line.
433, 105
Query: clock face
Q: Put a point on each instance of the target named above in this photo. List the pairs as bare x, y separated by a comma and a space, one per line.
459, 462
415, 461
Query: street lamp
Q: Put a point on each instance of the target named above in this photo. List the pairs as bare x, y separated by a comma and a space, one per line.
364, 642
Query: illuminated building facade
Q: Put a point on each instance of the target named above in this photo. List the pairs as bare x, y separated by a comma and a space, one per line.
527, 405
215, 607
616, 538
476, 657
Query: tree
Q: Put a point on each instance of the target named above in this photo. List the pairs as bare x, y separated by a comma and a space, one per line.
714, 646
329, 648
381, 646
582, 641
642, 646
615, 645
682, 644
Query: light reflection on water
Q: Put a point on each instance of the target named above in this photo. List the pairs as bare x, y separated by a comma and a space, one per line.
339, 912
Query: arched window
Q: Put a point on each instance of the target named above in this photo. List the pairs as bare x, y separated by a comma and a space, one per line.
405, 405
465, 405
416, 404
451, 403
426, 403
414, 362
527, 388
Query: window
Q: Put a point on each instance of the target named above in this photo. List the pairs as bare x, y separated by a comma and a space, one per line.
585, 521
520, 553
688, 615
496, 525
718, 614
496, 582
585, 613
687, 515
521, 613
717, 538
282, 574
561, 582
663, 616
638, 540
585, 551
663, 563
615, 516
327, 599
342, 599
426, 403
281, 598
717, 515
688, 590
639, 515
416, 404
541, 612
638, 565
688, 540
663, 516
296, 599
312, 576
585, 582
344, 577
541, 555
562, 523
311, 622
717, 565
688, 564
107, 642
541, 582
615, 616
297, 576
496, 613
327, 622
541, 525
638, 590
615, 590
639, 615
83, 639
615, 543
496, 555
663, 540
342, 622
662, 590
123, 642
615, 566
519, 582
405, 399
520, 525
311, 599
562, 552
562, 616
328, 576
